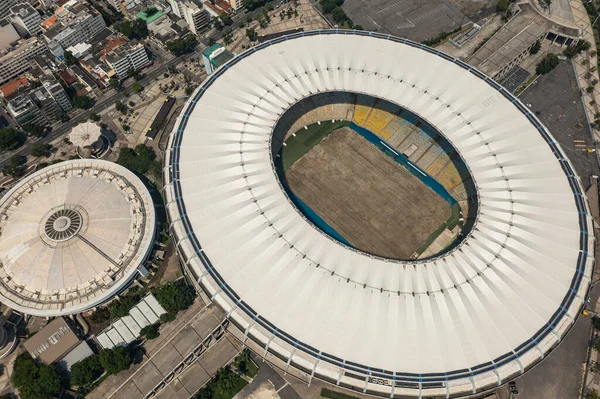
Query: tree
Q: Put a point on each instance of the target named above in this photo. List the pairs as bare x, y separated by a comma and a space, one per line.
94, 117
535, 48
151, 331
150, 11
338, 15
41, 150
545, 4
83, 102
251, 33
175, 296
86, 371
115, 83
35, 380
121, 307
100, 315
167, 317
133, 29
591, 394
225, 19
597, 344
136, 87
502, 5
548, 63
15, 166
139, 159
70, 59
116, 359
183, 45
10, 139
227, 37
122, 108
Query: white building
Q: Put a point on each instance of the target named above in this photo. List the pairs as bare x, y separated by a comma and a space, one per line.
128, 57
462, 322
95, 227
196, 17
177, 7
236, 4
77, 22
26, 19
15, 60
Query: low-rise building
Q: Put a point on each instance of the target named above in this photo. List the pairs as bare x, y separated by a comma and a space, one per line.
53, 342
8, 34
215, 56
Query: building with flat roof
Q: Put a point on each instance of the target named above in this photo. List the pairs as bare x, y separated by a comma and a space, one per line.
131, 56
95, 228
8, 34
215, 56
52, 342
15, 59
26, 19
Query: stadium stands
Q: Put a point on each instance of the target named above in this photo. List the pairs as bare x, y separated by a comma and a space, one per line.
400, 129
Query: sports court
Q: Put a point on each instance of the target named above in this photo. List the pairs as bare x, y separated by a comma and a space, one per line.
373, 202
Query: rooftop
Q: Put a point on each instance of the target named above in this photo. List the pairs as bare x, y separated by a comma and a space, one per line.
72, 235
53, 342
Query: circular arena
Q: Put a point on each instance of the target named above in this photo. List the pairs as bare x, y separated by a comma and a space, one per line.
456, 322
72, 235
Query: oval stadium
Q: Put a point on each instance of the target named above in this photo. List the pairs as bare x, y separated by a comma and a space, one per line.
377, 215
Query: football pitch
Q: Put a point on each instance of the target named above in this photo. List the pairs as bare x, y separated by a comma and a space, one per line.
376, 204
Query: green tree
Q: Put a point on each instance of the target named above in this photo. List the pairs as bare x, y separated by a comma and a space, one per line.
34, 130
86, 371
502, 5
548, 63
150, 331
35, 380
122, 306
168, 317
116, 359
83, 102
94, 117
15, 166
175, 296
10, 139
136, 87
133, 29
70, 58
545, 4
122, 108
183, 45
535, 48
138, 159
591, 394
115, 83
225, 19
251, 33
339, 15
100, 315
150, 11
41, 150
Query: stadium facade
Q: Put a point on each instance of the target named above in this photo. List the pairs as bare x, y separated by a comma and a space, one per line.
72, 236
457, 324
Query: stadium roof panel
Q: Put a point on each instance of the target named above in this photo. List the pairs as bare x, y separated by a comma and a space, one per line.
461, 322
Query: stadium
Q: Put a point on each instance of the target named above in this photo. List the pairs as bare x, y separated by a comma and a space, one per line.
287, 157
72, 236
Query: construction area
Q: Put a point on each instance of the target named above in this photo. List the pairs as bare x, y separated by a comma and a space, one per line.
374, 203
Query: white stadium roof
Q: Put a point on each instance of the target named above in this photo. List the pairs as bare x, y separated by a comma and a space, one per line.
465, 321
85, 134
72, 236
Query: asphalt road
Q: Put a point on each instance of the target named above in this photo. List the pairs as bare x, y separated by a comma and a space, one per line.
102, 103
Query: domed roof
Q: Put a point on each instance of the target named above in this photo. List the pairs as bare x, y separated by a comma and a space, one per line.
85, 134
72, 235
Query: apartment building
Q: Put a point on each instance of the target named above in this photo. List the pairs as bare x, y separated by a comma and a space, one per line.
126, 58
196, 17
14, 60
76, 23
26, 19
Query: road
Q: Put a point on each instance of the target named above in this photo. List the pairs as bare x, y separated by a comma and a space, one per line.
102, 103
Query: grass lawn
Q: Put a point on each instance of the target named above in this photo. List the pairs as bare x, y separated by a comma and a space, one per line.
225, 385
327, 393
306, 139
243, 362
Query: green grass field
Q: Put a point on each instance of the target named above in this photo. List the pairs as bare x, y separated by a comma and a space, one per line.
449, 224
296, 147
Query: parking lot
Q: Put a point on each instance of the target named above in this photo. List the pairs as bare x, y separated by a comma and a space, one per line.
555, 99
414, 19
